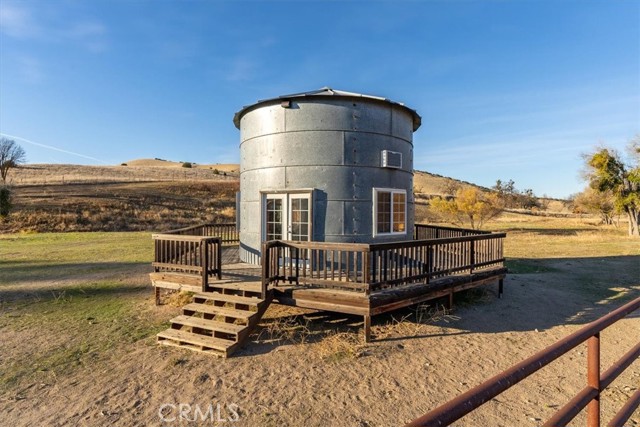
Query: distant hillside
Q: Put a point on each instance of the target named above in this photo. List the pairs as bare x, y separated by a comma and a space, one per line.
150, 194
161, 163
429, 184
119, 198
134, 171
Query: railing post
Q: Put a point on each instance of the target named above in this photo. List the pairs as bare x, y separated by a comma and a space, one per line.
204, 256
366, 273
472, 255
219, 257
593, 379
265, 269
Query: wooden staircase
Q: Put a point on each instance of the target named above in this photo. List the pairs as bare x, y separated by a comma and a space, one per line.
218, 322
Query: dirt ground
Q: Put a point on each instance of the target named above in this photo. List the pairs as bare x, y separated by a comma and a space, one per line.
322, 374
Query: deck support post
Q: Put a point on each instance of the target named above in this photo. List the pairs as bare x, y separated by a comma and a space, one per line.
500, 287
450, 301
157, 294
367, 328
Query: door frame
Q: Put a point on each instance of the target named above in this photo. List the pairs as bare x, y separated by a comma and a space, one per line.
285, 195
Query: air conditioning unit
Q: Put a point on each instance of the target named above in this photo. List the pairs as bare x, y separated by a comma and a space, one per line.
391, 159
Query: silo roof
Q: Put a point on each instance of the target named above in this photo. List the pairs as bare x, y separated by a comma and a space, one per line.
326, 91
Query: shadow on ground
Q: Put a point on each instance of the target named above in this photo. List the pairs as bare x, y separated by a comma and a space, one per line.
540, 294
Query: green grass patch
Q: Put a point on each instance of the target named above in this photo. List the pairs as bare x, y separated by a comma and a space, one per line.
58, 315
28, 258
84, 324
527, 266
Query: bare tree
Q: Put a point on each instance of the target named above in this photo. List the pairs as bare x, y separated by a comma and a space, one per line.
11, 155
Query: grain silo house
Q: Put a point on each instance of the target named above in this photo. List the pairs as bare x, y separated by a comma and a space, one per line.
325, 222
326, 166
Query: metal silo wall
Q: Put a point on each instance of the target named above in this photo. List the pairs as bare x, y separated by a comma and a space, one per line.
334, 146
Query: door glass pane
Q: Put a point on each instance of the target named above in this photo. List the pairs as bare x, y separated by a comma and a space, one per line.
299, 218
274, 219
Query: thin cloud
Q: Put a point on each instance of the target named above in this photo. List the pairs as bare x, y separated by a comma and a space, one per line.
17, 22
22, 23
51, 147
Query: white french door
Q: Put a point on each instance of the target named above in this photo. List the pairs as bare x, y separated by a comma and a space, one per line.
287, 216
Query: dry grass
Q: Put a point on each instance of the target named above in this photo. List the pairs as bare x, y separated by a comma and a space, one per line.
177, 299
327, 339
56, 174
338, 346
150, 206
286, 330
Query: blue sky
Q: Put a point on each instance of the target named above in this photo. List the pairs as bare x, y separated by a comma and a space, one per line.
507, 90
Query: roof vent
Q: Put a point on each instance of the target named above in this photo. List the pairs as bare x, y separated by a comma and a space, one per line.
391, 159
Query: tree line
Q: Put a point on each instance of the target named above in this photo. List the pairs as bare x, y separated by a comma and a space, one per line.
613, 188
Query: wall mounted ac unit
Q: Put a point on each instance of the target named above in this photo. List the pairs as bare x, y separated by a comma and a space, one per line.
391, 159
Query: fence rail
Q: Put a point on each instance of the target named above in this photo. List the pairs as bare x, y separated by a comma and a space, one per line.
371, 267
588, 397
227, 232
425, 231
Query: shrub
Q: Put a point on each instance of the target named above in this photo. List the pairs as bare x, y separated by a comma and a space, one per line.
123, 164
187, 165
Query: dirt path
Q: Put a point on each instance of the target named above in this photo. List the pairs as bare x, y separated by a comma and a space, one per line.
329, 380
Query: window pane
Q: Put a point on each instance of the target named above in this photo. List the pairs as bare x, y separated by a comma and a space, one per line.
399, 212
384, 212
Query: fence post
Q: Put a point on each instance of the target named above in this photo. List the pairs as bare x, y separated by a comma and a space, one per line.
593, 379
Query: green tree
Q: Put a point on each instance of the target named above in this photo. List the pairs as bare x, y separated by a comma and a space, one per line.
469, 206
607, 171
11, 155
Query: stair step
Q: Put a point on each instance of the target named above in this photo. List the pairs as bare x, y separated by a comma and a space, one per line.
238, 286
234, 299
210, 325
194, 339
220, 311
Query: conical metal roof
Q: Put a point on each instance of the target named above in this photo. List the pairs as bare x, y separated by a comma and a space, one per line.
325, 91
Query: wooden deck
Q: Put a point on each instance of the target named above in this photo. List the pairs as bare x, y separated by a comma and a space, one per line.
357, 279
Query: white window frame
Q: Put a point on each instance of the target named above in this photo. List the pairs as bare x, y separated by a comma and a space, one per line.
392, 191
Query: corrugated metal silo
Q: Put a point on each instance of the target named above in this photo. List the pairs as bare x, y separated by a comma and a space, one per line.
328, 166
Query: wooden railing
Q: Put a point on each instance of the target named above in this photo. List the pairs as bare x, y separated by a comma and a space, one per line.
227, 232
394, 264
331, 265
175, 253
424, 232
588, 397
371, 267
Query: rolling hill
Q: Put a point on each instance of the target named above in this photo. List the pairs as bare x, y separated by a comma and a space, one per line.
145, 194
